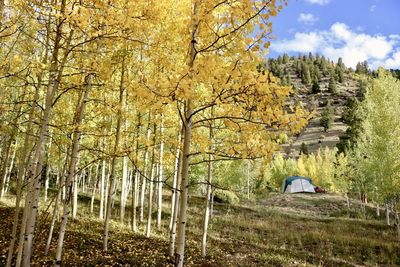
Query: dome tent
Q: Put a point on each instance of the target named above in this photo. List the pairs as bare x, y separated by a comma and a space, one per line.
297, 184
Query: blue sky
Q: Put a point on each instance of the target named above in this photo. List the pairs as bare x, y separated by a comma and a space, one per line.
355, 30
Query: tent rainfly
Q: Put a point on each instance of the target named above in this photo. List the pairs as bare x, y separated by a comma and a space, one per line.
297, 184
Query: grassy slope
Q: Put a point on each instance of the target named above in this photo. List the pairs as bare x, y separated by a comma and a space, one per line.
280, 230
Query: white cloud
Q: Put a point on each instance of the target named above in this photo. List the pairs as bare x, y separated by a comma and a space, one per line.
318, 2
394, 61
341, 31
350, 45
307, 18
372, 8
302, 42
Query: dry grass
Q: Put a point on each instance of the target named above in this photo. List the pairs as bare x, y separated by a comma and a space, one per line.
281, 230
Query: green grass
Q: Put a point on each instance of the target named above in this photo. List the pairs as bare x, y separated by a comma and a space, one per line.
278, 231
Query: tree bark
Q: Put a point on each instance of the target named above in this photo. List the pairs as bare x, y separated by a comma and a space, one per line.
160, 175
135, 188
72, 170
175, 181
208, 195
144, 178
174, 215
55, 211
123, 188
151, 182
9, 170
102, 184
187, 124
4, 166
95, 187
55, 76
23, 161
111, 189
180, 249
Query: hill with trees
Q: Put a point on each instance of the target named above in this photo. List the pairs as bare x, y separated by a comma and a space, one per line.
326, 88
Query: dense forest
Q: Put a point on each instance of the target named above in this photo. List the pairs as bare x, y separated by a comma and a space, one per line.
144, 116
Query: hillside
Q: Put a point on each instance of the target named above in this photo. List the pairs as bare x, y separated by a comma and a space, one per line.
278, 230
318, 70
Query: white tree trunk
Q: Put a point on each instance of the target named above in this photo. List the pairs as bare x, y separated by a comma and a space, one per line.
135, 189
144, 178
187, 124
150, 200
24, 161
95, 187
3, 170
123, 188
181, 237
102, 184
175, 181
134, 201
248, 179
112, 182
153, 168
9, 171
46, 182
72, 170
55, 76
160, 175
175, 211
208, 195
75, 196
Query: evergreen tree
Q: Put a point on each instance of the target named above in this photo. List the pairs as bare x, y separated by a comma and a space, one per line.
340, 73
318, 59
298, 67
286, 58
341, 64
316, 73
324, 66
279, 60
315, 89
310, 57
352, 118
332, 85
305, 73
327, 116
362, 88
303, 149
362, 67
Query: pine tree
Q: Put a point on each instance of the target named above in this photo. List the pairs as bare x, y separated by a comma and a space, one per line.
305, 73
352, 117
286, 58
316, 73
332, 85
315, 89
327, 116
339, 73
303, 149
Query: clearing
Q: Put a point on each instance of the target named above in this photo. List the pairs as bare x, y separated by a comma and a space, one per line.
278, 230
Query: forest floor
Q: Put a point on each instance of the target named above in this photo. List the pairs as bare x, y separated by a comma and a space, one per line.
278, 230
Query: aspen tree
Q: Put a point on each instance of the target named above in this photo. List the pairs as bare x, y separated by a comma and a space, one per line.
153, 167
112, 180
55, 73
160, 178
206, 216
72, 167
